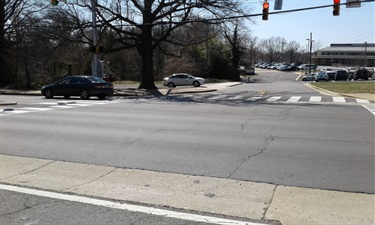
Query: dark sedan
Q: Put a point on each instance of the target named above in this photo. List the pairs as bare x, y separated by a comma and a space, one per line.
83, 86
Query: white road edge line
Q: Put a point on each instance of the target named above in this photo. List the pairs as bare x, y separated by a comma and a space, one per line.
371, 110
127, 207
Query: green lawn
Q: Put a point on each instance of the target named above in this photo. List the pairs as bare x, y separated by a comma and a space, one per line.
347, 87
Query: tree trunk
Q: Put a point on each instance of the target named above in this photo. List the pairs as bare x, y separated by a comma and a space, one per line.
147, 53
146, 49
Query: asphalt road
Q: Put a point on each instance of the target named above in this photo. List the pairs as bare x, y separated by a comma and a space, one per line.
325, 146
240, 133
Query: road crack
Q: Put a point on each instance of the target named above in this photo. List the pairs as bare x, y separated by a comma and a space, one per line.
268, 139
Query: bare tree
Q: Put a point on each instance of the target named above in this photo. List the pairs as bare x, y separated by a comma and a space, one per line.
292, 51
146, 24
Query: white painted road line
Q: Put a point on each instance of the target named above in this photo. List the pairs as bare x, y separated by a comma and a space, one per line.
127, 207
253, 99
36, 109
339, 99
294, 99
371, 109
273, 99
218, 97
16, 111
237, 97
362, 101
315, 99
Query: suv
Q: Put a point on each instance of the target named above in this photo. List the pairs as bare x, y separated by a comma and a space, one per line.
341, 75
361, 74
322, 76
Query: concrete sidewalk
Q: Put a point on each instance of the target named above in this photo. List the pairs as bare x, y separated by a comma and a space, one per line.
261, 202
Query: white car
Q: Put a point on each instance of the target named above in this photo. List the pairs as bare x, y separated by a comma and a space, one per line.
322, 76
183, 79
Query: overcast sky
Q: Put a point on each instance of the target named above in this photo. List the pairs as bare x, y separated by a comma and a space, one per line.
353, 25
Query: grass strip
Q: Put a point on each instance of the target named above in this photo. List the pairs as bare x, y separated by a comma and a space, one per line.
347, 87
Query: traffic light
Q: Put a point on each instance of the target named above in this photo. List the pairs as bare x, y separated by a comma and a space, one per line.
336, 7
54, 2
265, 10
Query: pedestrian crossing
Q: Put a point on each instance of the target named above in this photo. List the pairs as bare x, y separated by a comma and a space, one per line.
47, 106
267, 99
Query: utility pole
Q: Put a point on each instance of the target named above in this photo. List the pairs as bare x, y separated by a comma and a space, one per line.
365, 54
311, 41
282, 50
94, 64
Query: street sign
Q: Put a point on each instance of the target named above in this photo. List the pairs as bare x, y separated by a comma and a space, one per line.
353, 3
278, 5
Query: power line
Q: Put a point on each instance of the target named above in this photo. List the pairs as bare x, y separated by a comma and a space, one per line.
213, 20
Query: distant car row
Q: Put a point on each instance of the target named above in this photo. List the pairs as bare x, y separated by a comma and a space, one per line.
285, 66
328, 74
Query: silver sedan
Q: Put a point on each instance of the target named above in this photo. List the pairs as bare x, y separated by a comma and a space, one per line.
183, 79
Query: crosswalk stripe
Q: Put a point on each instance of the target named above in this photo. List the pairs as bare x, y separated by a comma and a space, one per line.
315, 99
63, 106
294, 99
53, 105
273, 99
339, 99
36, 109
253, 99
237, 97
362, 101
15, 111
218, 97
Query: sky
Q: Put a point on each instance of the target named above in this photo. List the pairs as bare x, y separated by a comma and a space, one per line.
353, 25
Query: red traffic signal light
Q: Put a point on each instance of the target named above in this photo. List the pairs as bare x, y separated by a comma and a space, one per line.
54, 2
265, 10
336, 7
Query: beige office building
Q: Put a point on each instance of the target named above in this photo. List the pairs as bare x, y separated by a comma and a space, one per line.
348, 55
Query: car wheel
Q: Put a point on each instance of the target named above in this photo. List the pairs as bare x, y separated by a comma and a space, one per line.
196, 84
48, 93
304, 79
171, 85
84, 94
101, 97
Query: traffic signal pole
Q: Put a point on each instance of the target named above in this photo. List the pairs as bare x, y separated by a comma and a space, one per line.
94, 64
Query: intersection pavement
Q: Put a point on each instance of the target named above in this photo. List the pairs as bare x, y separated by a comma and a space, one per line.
255, 201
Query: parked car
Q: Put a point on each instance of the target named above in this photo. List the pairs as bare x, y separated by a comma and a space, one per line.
361, 74
331, 74
310, 77
322, 76
306, 67
341, 75
83, 86
183, 79
289, 68
326, 69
